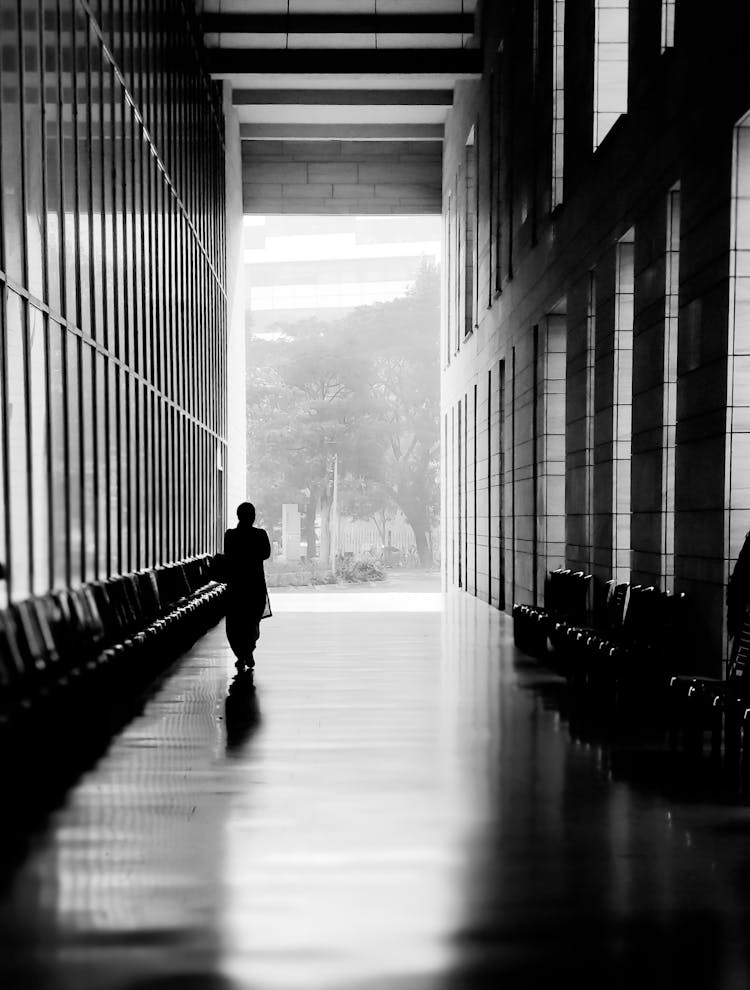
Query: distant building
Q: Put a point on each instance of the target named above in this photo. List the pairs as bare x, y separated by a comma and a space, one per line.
298, 267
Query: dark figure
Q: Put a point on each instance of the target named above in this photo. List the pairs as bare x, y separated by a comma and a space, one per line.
738, 593
245, 549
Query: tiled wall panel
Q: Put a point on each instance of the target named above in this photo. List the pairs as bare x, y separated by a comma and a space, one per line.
112, 295
684, 102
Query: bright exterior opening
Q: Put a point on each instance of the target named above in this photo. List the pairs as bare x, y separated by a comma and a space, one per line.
343, 332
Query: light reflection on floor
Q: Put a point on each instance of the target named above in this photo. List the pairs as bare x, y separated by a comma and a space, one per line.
396, 804
353, 874
362, 601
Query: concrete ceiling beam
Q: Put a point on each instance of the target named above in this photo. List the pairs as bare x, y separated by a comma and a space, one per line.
341, 132
344, 98
464, 62
231, 23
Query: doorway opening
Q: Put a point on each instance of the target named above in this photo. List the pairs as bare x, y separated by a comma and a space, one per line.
343, 398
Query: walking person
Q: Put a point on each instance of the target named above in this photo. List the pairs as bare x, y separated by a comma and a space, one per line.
245, 549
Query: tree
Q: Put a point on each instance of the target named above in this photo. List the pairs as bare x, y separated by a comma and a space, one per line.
402, 338
364, 388
304, 400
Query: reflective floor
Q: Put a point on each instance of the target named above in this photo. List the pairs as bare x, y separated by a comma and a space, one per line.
397, 802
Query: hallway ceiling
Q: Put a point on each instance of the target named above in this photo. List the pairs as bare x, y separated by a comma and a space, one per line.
341, 69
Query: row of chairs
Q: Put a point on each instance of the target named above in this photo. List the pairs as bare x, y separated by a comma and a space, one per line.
717, 708
70, 653
615, 643
625, 656
638, 652
566, 595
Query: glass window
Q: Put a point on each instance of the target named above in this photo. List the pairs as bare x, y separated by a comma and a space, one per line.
38, 435
102, 466
115, 471
83, 133
97, 197
160, 481
108, 147
11, 148
18, 467
52, 153
119, 247
89, 414
138, 279
33, 145
143, 503
611, 33
558, 100
667, 23
58, 450
146, 229
622, 412
69, 174
75, 476
130, 457
669, 397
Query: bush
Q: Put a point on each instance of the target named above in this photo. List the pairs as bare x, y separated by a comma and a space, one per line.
359, 571
296, 574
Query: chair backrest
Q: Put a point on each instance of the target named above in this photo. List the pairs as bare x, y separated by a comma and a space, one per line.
119, 605
12, 662
84, 608
148, 591
173, 584
101, 611
132, 597
554, 590
739, 662
566, 594
638, 621
614, 609
51, 625
29, 637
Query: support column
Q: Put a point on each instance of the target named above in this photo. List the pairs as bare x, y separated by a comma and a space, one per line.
550, 481
235, 468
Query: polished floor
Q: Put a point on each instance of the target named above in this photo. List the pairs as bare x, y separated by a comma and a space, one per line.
397, 803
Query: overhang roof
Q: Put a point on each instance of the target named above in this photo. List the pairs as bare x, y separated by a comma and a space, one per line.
341, 69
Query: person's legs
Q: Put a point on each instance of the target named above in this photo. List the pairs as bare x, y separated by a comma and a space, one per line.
253, 642
240, 639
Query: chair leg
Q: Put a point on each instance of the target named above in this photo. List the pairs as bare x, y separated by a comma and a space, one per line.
717, 726
744, 755
733, 750
693, 732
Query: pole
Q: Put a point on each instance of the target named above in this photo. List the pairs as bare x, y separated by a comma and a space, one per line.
335, 515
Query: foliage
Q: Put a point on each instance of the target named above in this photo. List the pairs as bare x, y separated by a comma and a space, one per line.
364, 388
357, 571
297, 574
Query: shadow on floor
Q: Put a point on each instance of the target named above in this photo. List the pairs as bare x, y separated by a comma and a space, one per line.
241, 711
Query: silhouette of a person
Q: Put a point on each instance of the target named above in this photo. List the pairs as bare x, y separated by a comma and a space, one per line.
245, 549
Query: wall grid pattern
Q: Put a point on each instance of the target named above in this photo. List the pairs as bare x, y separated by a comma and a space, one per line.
627, 458
112, 277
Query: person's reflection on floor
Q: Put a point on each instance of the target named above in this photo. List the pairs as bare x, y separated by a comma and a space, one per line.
241, 710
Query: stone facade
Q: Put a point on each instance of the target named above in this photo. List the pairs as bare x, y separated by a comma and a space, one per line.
350, 177
594, 400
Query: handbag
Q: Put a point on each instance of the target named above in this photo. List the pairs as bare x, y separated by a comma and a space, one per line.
219, 567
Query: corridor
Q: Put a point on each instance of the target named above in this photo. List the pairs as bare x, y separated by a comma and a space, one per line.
398, 804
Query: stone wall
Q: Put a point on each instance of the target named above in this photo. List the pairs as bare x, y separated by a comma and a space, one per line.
596, 266
353, 177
